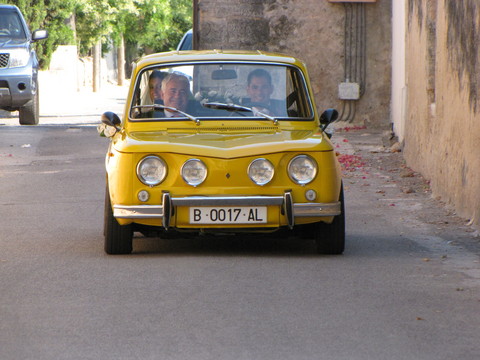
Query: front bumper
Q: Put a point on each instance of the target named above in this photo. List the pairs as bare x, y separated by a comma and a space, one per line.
165, 211
16, 89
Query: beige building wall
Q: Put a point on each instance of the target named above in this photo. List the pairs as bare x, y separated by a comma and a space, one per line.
442, 132
399, 93
314, 31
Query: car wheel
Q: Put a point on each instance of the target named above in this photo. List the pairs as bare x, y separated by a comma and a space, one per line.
118, 238
29, 114
330, 238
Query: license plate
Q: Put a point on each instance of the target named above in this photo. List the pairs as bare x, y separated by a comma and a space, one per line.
228, 215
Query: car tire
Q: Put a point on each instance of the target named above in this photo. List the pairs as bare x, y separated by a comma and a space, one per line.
29, 114
330, 238
118, 238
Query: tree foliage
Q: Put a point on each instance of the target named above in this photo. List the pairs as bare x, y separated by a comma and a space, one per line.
160, 25
146, 25
92, 22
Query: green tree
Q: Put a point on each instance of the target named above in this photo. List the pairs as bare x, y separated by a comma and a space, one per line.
160, 24
147, 25
93, 20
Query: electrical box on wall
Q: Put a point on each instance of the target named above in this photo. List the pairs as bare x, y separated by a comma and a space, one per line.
352, 1
349, 91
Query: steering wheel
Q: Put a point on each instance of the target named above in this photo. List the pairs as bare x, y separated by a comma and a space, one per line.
260, 107
257, 105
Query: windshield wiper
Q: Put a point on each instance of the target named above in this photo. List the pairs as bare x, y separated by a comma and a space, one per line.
235, 107
172, 109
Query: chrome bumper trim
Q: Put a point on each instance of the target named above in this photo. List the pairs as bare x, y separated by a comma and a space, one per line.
317, 209
138, 211
157, 211
160, 212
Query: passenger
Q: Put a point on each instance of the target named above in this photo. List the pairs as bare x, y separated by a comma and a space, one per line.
155, 86
259, 90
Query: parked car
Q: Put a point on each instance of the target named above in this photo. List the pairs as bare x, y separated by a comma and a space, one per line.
18, 65
245, 151
186, 42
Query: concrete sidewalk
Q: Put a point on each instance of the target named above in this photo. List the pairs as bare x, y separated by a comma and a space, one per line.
60, 104
371, 163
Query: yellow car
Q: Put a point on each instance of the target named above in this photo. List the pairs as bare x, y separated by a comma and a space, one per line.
215, 142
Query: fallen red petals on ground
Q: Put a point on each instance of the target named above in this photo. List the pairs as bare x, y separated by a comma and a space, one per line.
351, 162
351, 128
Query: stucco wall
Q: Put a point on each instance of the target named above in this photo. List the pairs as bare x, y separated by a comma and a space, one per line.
312, 30
443, 120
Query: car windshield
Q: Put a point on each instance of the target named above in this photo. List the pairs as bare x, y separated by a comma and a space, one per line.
226, 90
11, 26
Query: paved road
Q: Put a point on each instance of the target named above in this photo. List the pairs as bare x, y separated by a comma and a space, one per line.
404, 289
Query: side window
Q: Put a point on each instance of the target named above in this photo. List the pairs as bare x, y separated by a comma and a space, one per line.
298, 103
140, 97
291, 96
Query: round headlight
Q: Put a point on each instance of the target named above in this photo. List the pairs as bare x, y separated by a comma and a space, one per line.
194, 172
302, 169
151, 170
261, 171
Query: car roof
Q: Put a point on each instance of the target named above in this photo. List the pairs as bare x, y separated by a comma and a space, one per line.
217, 55
11, 7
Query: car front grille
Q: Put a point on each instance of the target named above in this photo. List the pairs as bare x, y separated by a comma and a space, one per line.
4, 60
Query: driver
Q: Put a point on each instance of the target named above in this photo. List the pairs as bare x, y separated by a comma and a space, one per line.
175, 93
259, 90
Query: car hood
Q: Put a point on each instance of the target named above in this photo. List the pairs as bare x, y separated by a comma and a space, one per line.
228, 145
7, 43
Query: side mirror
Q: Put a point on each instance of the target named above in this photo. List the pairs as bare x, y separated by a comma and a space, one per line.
111, 119
327, 117
39, 35
108, 127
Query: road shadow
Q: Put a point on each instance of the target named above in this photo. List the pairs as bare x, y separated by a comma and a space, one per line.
225, 245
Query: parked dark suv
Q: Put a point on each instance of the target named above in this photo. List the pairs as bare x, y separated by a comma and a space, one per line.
18, 65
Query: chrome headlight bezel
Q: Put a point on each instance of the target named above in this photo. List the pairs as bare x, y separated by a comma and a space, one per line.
151, 170
261, 171
302, 169
194, 172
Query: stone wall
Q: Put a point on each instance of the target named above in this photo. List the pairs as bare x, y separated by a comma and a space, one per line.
314, 31
443, 114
